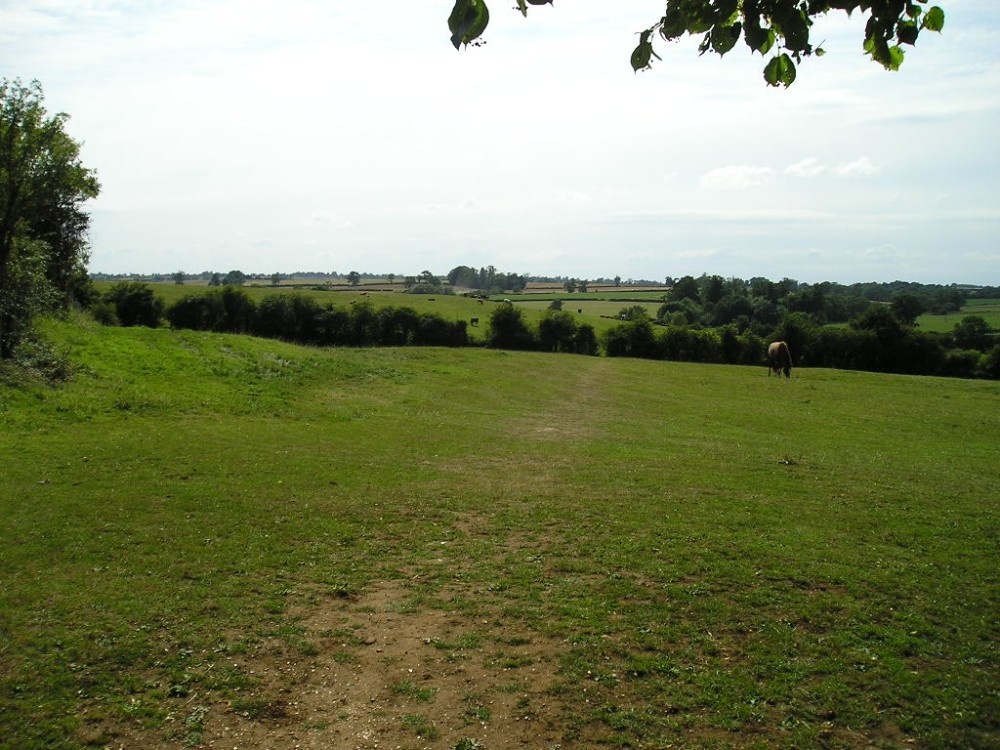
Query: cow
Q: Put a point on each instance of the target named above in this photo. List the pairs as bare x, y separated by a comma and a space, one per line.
779, 359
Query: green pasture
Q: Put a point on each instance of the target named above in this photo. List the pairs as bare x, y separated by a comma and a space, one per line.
719, 559
597, 309
988, 309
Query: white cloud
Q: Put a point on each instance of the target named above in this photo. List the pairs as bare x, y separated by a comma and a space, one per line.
810, 167
860, 167
737, 177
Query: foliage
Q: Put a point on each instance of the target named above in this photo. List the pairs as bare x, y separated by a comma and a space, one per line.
302, 319
972, 332
43, 248
486, 279
508, 329
779, 28
134, 304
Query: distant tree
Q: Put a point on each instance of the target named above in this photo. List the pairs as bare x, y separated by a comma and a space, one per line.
972, 332
178, 277
234, 278
585, 340
947, 300
390, 277
557, 331
634, 338
685, 287
633, 312
43, 228
464, 276
712, 289
275, 279
216, 280
779, 28
508, 329
556, 304
582, 286
570, 285
354, 278
989, 365
908, 307
618, 280
135, 304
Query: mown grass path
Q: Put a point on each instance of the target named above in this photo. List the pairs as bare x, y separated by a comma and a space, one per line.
716, 558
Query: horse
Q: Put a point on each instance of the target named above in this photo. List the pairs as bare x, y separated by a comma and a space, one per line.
779, 359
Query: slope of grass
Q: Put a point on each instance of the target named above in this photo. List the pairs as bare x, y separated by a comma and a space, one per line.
758, 562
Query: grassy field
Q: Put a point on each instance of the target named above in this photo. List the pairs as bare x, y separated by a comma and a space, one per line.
219, 541
988, 309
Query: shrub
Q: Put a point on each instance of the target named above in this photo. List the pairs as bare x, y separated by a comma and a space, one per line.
134, 304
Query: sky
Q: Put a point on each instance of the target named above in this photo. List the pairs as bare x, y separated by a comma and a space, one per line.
310, 135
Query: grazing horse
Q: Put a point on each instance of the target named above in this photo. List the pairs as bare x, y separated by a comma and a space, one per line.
779, 359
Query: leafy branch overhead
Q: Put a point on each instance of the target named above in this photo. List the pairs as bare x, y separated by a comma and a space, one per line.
777, 29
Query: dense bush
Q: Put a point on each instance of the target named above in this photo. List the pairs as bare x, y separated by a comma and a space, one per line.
134, 304
302, 319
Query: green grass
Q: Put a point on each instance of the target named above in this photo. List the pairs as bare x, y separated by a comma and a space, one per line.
988, 309
788, 563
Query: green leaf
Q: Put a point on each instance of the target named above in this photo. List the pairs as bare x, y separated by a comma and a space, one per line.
896, 56
467, 21
758, 39
780, 70
724, 38
673, 24
642, 54
795, 30
934, 19
522, 6
907, 33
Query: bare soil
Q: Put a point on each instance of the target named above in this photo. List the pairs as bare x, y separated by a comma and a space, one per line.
380, 673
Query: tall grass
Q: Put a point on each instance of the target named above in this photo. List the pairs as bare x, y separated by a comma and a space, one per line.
727, 557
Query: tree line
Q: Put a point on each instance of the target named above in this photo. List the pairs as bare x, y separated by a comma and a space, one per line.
294, 317
874, 340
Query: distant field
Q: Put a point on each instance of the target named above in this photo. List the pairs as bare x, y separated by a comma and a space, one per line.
220, 541
986, 309
597, 309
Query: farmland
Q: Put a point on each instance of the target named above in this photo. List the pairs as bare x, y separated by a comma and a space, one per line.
221, 541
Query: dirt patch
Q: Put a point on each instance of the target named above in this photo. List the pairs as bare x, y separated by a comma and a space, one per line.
378, 672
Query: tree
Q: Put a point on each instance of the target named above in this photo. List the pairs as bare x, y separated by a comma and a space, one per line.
557, 331
973, 332
908, 307
779, 28
508, 329
354, 278
135, 304
685, 287
234, 278
43, 229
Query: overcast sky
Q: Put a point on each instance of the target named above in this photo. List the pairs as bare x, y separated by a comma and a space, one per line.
339, 136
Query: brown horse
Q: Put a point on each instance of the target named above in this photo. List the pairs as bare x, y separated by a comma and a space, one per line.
779, 359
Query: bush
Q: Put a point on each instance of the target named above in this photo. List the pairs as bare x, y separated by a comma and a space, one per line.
961, 363
508, 329
104, 313
134, 304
